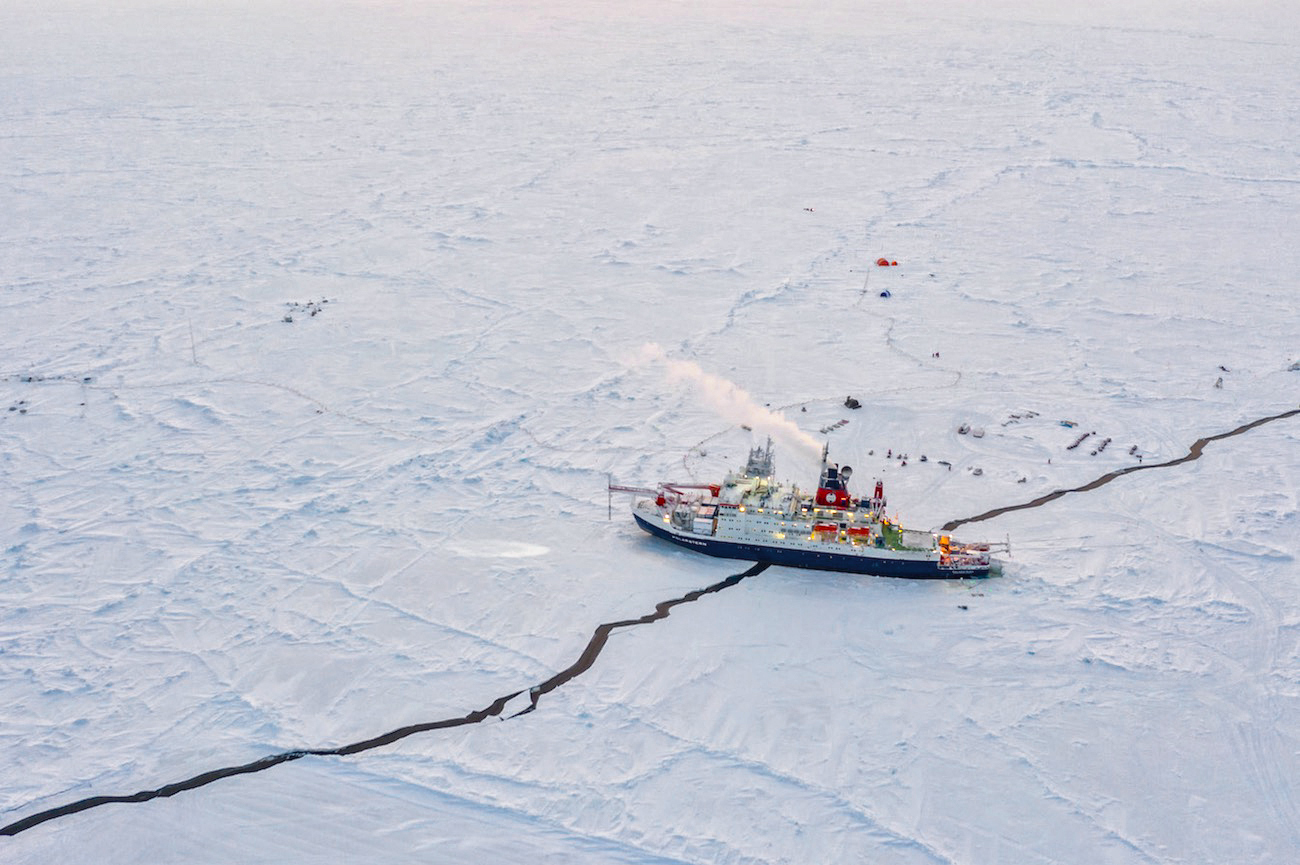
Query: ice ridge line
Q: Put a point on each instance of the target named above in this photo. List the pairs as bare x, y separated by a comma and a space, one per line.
1193, 453
588, 657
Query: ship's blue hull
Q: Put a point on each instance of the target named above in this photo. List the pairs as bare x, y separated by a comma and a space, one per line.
822, 561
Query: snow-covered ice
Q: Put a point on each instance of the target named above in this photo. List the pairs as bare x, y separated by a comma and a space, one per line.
323, 326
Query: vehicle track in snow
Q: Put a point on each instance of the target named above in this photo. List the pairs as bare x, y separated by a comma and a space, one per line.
594, 647
1193, 453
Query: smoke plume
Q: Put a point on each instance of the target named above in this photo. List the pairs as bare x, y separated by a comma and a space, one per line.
734, 404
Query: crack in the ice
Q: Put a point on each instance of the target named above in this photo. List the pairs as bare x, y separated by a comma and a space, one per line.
588, 657
1193, 453
598, 639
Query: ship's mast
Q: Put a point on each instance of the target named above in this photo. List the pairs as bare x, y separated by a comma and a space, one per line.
761, 463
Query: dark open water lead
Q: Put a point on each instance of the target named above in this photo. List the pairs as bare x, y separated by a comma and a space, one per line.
588, 657
1193, 453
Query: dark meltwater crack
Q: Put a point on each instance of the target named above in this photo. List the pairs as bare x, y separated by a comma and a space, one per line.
588, 657
1194, 453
